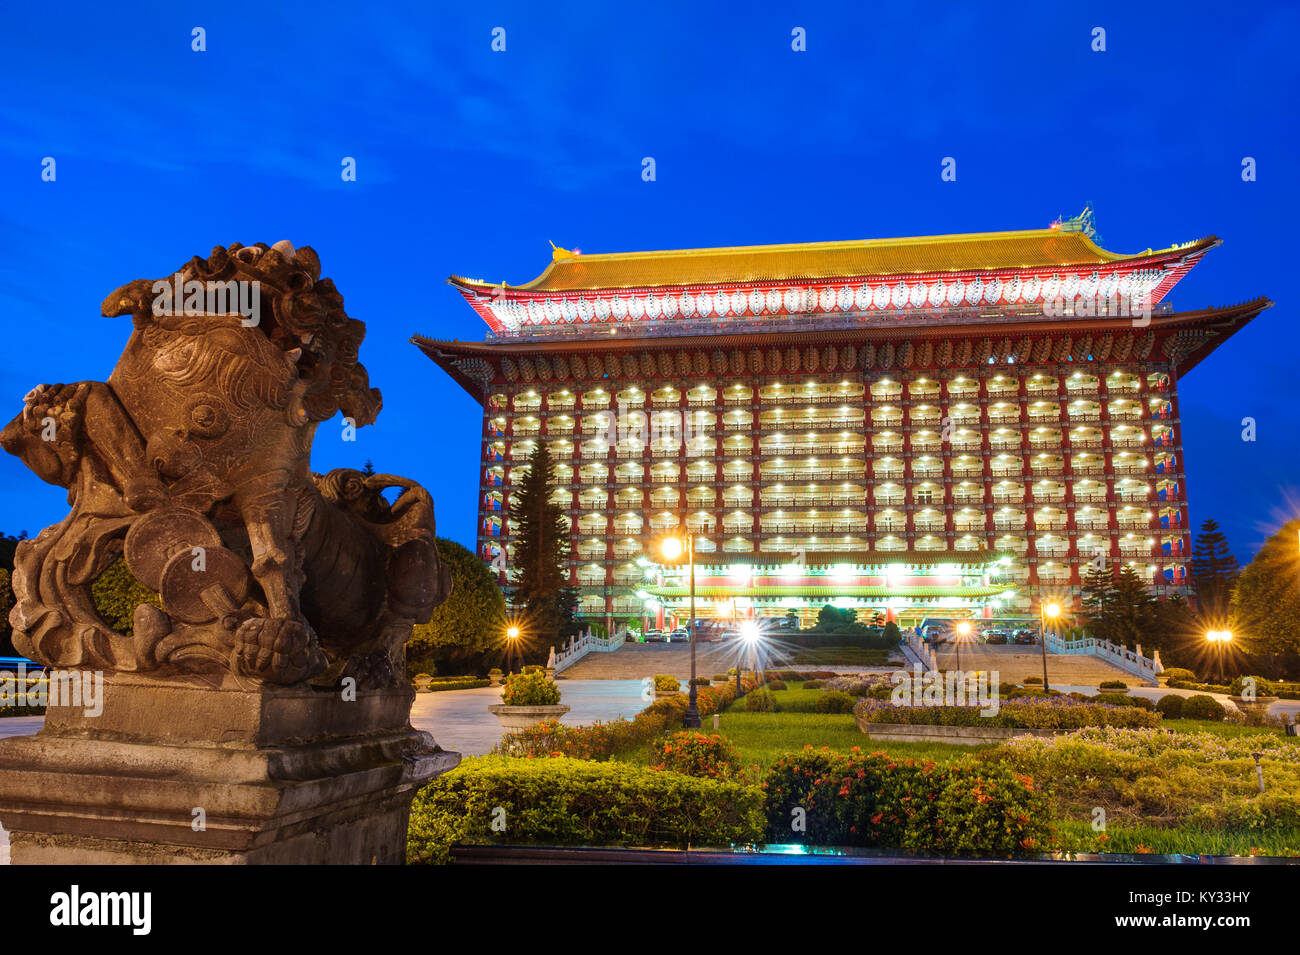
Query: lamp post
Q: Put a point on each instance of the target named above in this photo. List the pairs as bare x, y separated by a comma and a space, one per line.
963, 631
1045, 611
512, 634
1220, 639
672, 548
749, 636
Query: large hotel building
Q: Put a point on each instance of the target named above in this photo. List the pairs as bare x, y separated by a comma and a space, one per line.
940, 426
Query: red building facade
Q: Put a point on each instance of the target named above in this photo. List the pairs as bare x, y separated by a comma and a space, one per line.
997, 398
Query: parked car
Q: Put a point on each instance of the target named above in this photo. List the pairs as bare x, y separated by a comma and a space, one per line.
654, 636
1026, 637
680, 635
729, 635
709, 635
995, 636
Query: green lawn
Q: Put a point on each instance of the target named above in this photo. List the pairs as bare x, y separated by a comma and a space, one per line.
1080, 837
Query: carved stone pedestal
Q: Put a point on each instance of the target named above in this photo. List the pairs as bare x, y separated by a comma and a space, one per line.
181, 771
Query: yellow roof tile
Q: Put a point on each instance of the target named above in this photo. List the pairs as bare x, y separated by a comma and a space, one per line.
1035, 248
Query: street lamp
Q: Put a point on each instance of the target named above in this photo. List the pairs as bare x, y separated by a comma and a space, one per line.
512, 634
1046, 611
1220, 639
749, 634
963, 631
672, 549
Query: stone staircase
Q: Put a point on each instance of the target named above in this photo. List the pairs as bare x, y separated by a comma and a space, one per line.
1014, 663
638, 660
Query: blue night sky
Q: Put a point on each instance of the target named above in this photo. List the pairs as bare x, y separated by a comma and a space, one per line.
468, 161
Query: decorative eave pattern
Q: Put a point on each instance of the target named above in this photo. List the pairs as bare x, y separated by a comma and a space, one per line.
848, 590
724, 294
1180, 339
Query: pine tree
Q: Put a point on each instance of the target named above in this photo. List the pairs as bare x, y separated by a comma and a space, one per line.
1098, 602
539, 531
1266, 601
1214, 571
1133, 609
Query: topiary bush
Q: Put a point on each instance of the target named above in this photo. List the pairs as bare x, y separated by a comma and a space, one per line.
1112, 685
776, 685
575, 802
760, 701
696, 754
834, 701
1032, 680
667, 683
1170, 706
529, 689
1202, 707
813, 684
1178, 675
1122, 699
701, 681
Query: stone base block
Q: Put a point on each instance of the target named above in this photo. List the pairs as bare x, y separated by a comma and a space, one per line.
190, 772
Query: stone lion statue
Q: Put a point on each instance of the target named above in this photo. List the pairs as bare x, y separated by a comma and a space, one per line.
193, 462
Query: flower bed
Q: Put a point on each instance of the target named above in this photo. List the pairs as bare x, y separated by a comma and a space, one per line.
603, 740
1155, 777
696, 754
573, 802
859, 799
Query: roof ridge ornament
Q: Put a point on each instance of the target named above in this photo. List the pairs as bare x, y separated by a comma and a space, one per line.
1084, 222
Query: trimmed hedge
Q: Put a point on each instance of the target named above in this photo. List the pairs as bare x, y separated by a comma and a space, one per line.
574, 802
1050, 713
467, 684
857, 799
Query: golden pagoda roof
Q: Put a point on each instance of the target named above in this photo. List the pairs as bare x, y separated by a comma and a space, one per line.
981, 251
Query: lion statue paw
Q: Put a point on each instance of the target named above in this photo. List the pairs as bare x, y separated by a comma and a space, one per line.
277, 650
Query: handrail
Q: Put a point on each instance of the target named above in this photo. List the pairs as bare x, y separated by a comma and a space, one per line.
579, 646
1129, 660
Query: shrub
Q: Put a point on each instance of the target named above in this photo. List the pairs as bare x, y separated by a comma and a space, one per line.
724, 677
881, 691
576, 802
1055, 713
834, 701
1180, 674
1170, 706
760, 701
856, 799
701, 681
1263, 687
667, 683
1122, 699
776, 685
813, 684
1112, 685
1202, 707
696, 754
529, 689
1031, 680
